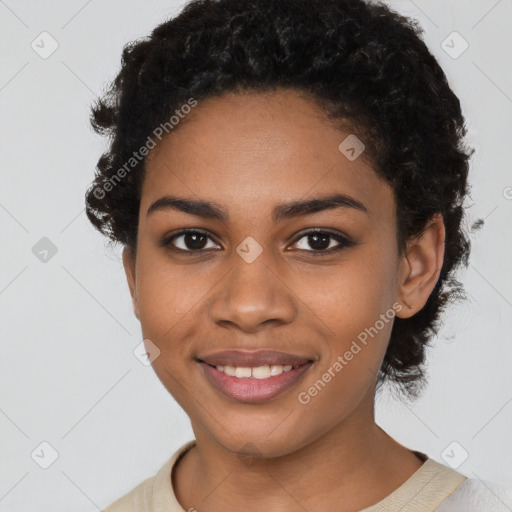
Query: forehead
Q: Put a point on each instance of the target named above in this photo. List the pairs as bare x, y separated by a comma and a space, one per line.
250, 151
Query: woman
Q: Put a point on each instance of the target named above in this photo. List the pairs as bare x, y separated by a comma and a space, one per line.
287, 179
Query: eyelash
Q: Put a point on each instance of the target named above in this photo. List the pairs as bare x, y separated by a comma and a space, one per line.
343, 241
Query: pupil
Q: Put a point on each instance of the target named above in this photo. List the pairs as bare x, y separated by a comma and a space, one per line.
324, 243
194, 237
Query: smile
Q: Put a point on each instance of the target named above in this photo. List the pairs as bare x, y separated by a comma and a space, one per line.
258, 372
254, 384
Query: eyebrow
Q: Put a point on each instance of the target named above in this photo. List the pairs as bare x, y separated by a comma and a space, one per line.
211, 210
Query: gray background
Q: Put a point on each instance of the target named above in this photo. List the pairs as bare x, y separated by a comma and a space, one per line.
68, 373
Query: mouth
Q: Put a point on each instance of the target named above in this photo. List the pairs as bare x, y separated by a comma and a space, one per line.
253, 377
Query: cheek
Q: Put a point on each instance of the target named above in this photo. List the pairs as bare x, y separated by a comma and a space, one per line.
355, 308
168, 296
352, 296
169, 319
355, 304
168, 306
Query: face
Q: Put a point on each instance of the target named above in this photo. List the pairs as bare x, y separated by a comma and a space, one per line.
253, 275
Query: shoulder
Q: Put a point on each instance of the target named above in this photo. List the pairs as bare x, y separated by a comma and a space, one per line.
475, 495
156, 491
138, 499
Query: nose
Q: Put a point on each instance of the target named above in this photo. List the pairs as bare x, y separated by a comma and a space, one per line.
253, 296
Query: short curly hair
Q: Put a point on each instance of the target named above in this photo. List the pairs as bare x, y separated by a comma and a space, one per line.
362, 63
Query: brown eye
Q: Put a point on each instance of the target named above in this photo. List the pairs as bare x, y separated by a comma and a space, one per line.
316, 242
188, 241
322, 242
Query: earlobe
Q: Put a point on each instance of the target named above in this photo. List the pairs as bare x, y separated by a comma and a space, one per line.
421, 266
129, 268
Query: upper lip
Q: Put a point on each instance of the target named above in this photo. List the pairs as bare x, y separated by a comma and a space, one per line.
244, 358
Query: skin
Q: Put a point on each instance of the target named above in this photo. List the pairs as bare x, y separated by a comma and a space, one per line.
248, 152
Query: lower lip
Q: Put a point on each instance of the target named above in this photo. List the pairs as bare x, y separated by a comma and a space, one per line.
250, 390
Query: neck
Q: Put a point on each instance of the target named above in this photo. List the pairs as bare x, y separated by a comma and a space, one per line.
349, 468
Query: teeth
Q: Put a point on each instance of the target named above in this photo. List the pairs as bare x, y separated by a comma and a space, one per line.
259, 372
228, 370
242, 372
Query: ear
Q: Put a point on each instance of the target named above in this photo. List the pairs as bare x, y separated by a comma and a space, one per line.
129, 268
421, 266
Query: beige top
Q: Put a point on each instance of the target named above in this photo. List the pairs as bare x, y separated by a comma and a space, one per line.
424, 491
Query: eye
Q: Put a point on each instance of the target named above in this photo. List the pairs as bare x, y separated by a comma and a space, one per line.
189, 240
321, 242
